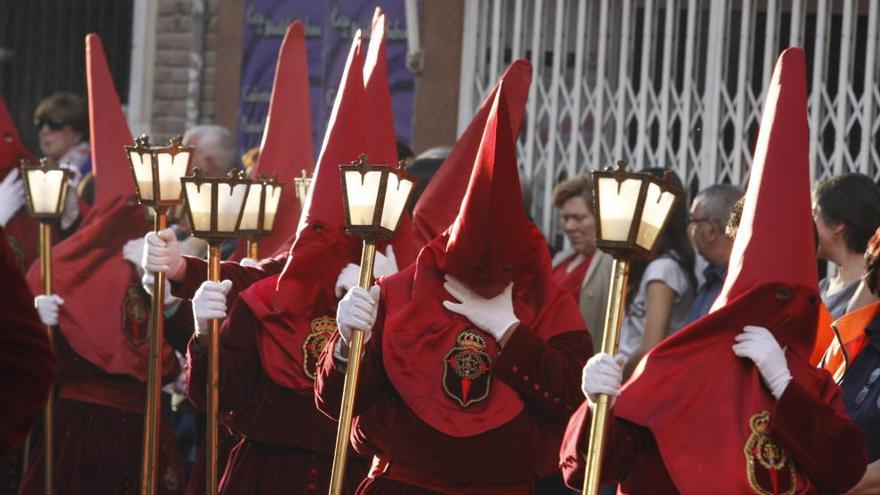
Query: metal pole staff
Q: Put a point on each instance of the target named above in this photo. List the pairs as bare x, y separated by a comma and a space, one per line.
340, 456
610, 339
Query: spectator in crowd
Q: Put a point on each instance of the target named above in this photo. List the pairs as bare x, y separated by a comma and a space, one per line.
710, 212
846, 209
581, 268
62, 121
215, 156
661, 290
858, 337
215, 149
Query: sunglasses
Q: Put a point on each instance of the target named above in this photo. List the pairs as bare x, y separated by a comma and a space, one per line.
860, 397
54, 125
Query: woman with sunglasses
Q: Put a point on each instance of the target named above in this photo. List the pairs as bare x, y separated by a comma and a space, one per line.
62, 122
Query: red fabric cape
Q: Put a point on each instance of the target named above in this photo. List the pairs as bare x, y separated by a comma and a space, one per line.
91, 276
287, 308
702, 432
418, 332
22, 229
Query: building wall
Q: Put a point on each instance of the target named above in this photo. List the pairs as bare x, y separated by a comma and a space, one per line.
437, 86
216, 92
435, 109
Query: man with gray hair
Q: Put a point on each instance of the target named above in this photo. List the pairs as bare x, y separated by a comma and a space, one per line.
215, 149
710, 212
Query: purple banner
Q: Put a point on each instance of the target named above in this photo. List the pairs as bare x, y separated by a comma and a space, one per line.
329, 27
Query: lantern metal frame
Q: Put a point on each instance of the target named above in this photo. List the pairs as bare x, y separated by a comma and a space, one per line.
143, 147
44, 165
630, 249
261, 229
374, 231
233, 178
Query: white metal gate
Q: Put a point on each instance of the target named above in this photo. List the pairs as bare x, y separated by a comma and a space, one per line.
674, 83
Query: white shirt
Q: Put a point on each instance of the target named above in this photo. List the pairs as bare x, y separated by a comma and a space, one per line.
664, 269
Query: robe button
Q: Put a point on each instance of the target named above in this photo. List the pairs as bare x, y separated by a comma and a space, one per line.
546, 395
526, 378
536, 387
556, 400
514, 369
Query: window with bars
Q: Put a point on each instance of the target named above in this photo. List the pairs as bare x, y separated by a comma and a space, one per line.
42, 51
674, 83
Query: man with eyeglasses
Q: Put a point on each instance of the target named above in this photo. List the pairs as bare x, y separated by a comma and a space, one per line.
710, 212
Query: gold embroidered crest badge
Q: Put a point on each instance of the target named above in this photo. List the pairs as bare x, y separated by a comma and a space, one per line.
467, 376
136, 314
321, 331
768, 468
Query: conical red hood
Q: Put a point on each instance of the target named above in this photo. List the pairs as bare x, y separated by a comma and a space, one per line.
775, 241
108, 128
286, 149
381, 142
11, 148
439, 203
344, 141
492, 231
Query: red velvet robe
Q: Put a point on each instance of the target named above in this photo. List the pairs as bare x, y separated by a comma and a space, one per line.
242, 277
287, 444
633, 459
504, 460
99, 428
27, 364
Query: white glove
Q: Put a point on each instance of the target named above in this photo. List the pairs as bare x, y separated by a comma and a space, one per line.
11, 196
759, 345
602, 375
133, 252
385, 264
209, 303
47, 308
162, 254
491, 315
348, 278
248, 262
357, 310
148, 280
71, 208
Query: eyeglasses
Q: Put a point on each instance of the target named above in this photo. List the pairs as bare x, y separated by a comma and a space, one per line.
860, 397
54, 124
692, 220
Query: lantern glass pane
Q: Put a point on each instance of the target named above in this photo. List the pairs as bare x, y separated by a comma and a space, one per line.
303, 186
198, 197
617, 207
230, 200
273, 199
250, 219
362, 191
658, 205
396, 194
143, 174
171, 169
46, 188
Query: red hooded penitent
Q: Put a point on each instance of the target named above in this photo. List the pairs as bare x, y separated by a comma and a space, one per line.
104, 316
21, 230
490, 244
